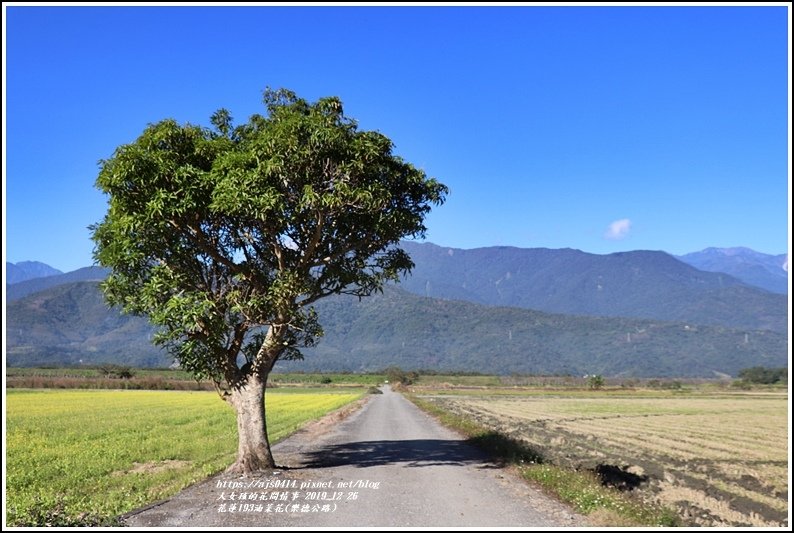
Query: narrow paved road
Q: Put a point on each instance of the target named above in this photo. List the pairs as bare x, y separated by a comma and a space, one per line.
388, 464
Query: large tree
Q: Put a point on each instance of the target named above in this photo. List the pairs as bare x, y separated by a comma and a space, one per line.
225, 236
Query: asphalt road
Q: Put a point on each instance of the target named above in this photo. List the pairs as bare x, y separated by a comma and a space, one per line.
388, 464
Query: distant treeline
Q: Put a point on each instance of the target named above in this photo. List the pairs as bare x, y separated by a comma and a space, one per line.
763, 375
111, 376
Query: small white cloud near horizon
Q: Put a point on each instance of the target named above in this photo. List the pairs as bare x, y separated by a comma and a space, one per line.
618, 230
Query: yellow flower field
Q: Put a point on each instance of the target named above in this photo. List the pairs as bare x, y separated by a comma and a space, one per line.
99, 453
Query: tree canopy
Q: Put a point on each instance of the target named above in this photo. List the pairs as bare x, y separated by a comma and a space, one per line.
246, 227
225, 236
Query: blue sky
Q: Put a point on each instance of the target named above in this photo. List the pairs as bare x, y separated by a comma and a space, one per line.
599, 128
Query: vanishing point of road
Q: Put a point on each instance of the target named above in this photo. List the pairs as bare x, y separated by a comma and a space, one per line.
388, 464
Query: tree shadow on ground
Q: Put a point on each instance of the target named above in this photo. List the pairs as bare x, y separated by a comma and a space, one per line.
619, 478
411, 453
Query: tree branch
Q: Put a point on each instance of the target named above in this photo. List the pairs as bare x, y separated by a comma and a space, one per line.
315, 240
236, 343
279, 253
198, 237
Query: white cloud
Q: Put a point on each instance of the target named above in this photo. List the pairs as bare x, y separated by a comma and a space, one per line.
618, 230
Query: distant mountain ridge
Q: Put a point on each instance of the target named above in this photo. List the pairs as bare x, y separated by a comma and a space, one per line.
639, 284
20, 290
25, 270
496, 309
71, 324
762, 270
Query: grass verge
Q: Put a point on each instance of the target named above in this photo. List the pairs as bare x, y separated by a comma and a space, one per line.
582, 490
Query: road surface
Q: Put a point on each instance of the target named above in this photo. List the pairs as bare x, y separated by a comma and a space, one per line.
387, 464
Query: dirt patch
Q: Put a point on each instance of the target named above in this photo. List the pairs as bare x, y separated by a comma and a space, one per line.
321, 426
152, 467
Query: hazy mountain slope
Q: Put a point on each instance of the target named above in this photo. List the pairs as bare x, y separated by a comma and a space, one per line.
769, 272
640, 284
20, 290
25, 270
71, 322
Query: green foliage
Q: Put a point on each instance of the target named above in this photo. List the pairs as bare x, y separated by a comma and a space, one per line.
595, 382
115, 371
215, 234
396, 374
665, 384
763, 375
47, 511
171, 374
104, 377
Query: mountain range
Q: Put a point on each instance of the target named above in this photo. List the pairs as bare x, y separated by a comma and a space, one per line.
419, 332
641, 284
769, 272
31, 286
493, 309
25, 270
70, 324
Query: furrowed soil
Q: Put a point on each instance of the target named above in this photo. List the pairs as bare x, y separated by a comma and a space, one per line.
719, 461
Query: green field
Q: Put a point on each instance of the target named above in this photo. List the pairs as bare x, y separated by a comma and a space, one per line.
89, 456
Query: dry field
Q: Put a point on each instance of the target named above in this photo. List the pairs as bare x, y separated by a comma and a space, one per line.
720, 460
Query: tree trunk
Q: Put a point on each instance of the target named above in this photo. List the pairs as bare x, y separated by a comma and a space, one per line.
253, 450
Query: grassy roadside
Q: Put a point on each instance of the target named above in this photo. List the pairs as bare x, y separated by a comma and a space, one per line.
582, 490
